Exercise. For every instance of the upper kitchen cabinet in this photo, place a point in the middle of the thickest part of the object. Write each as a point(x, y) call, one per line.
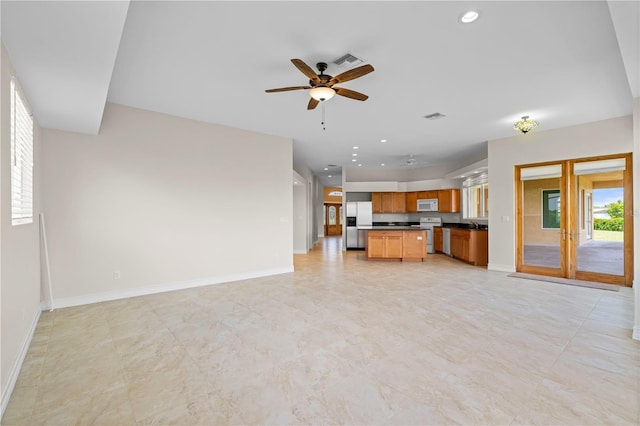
point(399, 202)
point(388, 202)
point(449, 200)
point(427, 195)
point(411, 200)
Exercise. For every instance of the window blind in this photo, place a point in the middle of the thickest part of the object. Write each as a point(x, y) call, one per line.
point(21, 159)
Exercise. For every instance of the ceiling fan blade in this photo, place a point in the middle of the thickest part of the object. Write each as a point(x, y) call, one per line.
point(350, 94)
point(285, 89)
point(312, 103)
point(305, 69)
point(351, 74)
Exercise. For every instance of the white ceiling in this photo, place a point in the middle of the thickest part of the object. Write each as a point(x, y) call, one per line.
point(558, 62)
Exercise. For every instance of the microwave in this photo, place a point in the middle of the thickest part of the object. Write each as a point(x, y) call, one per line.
point(428, 205)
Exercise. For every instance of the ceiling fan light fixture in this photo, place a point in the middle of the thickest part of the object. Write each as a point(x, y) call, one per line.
point(322, 93)
point(525, 125)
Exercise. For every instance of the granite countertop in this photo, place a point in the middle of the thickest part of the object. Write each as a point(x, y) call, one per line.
point(468, 226)
point(391, 228)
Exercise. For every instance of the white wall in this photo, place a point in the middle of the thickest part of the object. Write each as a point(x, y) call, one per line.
point(611, 136)
point(19, 252)
point(166, 203)
point(301, 222)
point(315, 202)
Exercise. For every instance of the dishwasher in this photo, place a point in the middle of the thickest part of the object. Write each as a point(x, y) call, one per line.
point(446, 241)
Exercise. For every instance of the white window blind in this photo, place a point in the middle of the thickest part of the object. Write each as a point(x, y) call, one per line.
point(21, 159)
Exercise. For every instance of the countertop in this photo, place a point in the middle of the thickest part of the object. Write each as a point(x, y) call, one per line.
point(404, 226)
point(391, 228)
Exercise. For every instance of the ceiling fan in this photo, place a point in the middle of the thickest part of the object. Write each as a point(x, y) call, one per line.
point(322, 85)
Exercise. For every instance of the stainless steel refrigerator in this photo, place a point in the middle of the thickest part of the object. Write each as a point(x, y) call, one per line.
point(359, 215)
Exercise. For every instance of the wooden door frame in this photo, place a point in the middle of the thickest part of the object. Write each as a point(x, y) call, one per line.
point(338, 218)
point(570, 223)
point(627, 184)
point(520, 265)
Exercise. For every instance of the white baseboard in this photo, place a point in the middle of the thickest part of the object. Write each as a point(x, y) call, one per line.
point(300, 251)
point(17, 366)
point(501, 268)
point(636, 333)
point(161, 288)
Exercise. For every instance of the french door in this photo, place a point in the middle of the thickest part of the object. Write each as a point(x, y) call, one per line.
point(574, 219)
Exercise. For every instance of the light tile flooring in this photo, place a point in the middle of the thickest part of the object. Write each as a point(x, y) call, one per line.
point(342, 340)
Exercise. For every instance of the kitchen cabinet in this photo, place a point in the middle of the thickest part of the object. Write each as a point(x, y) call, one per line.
point(470, 246)
point(427, 195)
point(411, 201)
point(388, 202)
point(437, 239)
point(384, 244)
point(376, 202)
point(449, 200)
point(414, 245)
point(399, 202)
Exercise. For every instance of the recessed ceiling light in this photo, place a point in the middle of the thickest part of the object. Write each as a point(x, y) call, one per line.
point(354, 155)
point(326, 168)
point(469, 16)
point(354, 160)
point(382, 164)
point(329, 176)
point(462, 176)
point(359, 165)
point(355, 147)
point(383, 140)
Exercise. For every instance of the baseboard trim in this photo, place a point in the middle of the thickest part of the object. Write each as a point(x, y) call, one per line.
point(15, 372)
point(300, 251)
point(636, 333)
point(500, 268)
point(162, 288)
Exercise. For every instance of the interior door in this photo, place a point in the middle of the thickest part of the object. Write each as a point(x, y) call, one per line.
point(557, 231)
point(333, 220)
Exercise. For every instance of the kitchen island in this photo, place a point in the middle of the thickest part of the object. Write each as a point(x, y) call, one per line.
point(405, 243)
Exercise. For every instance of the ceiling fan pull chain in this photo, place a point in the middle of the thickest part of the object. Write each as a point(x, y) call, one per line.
point(323, 127)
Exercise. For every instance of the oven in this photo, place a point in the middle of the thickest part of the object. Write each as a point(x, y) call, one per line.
point(428, 223)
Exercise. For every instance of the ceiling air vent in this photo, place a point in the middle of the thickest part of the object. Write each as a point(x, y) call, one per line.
point(348, 61)
point(434, 116)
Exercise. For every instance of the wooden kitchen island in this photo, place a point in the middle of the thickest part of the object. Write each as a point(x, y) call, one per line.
point(405, 244)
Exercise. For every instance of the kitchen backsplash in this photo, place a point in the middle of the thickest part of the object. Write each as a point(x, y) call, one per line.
point(415, 217)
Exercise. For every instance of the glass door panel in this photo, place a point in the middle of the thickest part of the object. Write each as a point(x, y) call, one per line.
point(599, 239)
point(542, 223)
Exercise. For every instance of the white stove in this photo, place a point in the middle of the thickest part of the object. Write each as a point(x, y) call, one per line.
point(428, 223)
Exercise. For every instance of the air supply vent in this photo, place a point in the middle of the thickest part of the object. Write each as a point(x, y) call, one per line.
point(348, 61)
point(434, 116)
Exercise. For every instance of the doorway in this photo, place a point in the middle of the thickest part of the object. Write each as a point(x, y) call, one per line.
point(574, 219)
point(333, 219)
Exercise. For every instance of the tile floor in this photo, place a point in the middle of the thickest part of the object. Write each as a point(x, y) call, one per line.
point(342, 340)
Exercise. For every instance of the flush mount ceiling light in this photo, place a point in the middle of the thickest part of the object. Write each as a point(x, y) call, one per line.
point(469, 16)
point(322, 93)
point(525, 125)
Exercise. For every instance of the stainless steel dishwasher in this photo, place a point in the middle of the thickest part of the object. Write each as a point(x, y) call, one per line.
point(446, 241)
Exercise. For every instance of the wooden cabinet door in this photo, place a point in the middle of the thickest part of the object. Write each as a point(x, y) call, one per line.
point(425, 195)
point(376, 202)
point(414, 244)
point(387, 202)
point(449, 200)
point(411, 202)
point(478, 248)
point(375, 246)
point(399, 202)
point(393, 246)
point(437, 239)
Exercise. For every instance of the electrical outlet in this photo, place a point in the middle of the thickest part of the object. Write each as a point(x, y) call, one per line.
point(116, 275)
